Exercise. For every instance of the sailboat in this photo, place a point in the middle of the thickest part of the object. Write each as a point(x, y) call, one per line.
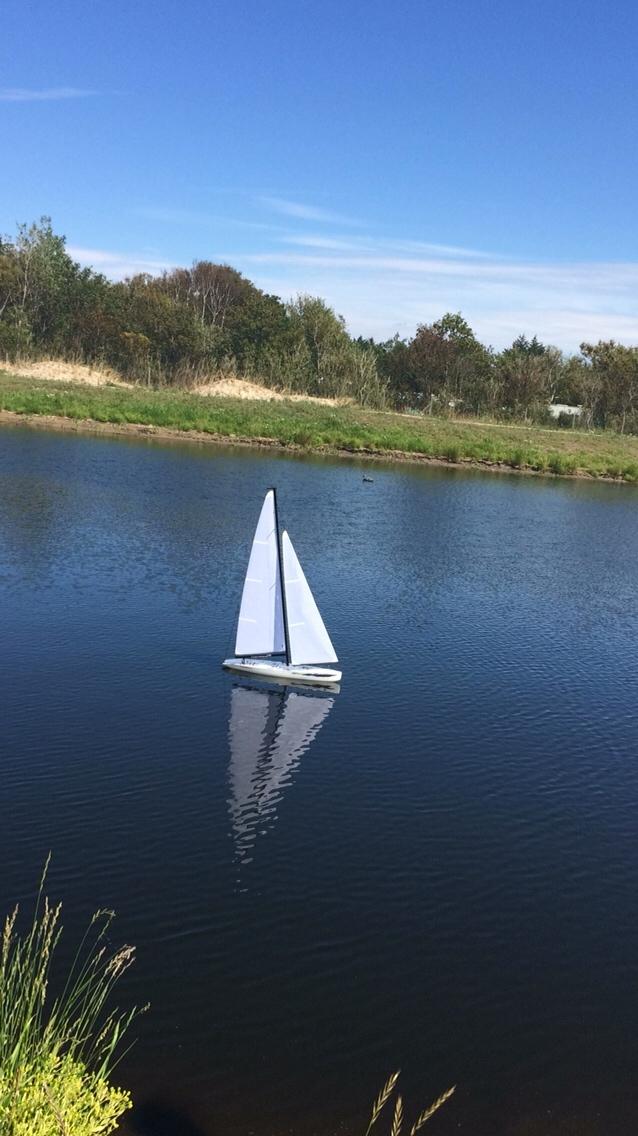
point(280, 633)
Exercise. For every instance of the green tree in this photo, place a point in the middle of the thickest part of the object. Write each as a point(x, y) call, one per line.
point(46, 275)
point(152, 337)
point(322, 358)
point(15, 329)
point(530, 375)
point(447, 366)
point(613, 391)
point(524, 346)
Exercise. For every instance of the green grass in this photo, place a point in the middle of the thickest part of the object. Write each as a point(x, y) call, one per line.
point(57, 1051)
point(313, 426)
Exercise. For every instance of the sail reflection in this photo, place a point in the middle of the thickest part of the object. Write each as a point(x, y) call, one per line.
point(268, 733)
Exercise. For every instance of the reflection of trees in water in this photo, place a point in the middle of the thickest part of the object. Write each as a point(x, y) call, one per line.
point(123, 512)
point(268, 733)
point(34, 519)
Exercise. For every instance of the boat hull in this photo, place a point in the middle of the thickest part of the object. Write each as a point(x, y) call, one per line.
point(270, 668)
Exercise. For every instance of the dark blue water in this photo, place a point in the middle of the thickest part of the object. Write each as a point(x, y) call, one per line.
point(435, 868)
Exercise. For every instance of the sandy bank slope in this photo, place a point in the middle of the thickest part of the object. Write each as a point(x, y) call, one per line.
point(57, 371)
point(245, 388)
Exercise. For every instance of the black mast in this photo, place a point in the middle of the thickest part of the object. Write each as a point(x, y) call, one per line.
point(284, 607)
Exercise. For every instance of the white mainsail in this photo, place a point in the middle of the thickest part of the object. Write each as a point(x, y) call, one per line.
point(260, 629)
point(308, 639)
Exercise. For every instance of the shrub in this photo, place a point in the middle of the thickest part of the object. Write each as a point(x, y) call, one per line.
point(60, 1096)
point(556, 463)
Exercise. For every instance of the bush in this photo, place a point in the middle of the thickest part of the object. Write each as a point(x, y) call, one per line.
point(59, 1096)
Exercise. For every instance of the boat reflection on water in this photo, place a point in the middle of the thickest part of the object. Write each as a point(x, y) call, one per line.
point(269, 731)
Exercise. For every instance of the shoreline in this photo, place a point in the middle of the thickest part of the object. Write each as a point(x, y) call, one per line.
point(199, 437)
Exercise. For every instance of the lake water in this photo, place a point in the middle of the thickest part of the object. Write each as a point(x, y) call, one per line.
point(435, 868)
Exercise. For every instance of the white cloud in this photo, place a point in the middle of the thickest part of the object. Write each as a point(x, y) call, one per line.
point(117, 265)
point(380, 293)
point(370, 246)
point(47, 94)
point(334, 244)
point(199, 217)
point(305, 212)
point(176, 216)
point(439, 250)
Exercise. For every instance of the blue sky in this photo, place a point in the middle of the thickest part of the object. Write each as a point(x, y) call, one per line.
point(399, 159)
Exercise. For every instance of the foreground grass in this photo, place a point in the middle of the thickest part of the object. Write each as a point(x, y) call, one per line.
point(315, 427)
point(387, 1093)
point(57, 1053)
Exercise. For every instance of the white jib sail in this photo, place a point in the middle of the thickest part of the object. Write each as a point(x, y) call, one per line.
point(260, 629)
point(309, 640)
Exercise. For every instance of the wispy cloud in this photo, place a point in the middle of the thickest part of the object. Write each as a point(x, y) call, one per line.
point(46, 94)
point(496, 271)
point(380, 246)
point(333, 244)
point(117, 265)
point(200, 218)
point(176, 216)
point(380, 292)
point(302, 212)
point(440, 250)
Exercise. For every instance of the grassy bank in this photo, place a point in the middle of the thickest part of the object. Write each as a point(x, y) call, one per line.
point(343, 428)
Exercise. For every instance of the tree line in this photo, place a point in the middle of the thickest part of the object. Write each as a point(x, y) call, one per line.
point(181, 326)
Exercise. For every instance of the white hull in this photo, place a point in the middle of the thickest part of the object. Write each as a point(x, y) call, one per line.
point(270, 668)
